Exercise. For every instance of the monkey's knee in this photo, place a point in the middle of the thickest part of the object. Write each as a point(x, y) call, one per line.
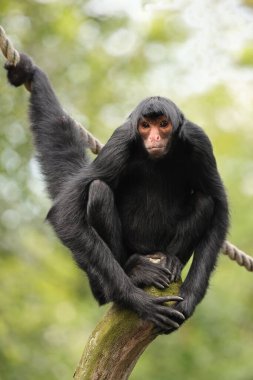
point(100, 202)
point(100, 196)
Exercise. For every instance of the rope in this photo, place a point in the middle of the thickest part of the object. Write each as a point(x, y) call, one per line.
point(12, 56)
point(94, 145)
point(237, 255)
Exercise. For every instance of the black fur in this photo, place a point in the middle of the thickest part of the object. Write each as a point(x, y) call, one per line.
point(124, 205)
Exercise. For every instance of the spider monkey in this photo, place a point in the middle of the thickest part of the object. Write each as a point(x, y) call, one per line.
point(154, 187)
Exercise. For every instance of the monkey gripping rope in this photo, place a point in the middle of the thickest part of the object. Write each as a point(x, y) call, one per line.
point(12, 56)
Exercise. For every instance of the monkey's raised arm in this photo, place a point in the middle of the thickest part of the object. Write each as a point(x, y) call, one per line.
point(59, 144)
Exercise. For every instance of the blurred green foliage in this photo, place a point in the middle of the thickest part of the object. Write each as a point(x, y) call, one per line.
point(101, 64)
point(246, 57)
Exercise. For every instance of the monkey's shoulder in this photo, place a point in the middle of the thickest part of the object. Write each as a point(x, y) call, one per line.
point(195, 141)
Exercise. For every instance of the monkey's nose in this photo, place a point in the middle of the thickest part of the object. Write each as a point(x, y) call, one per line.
point(154, 138)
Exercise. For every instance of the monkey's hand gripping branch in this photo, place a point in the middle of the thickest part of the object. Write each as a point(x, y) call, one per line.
point(119, 340)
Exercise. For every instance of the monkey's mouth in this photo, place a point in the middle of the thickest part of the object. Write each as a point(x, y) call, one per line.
point(156, 148)
point(157, 151)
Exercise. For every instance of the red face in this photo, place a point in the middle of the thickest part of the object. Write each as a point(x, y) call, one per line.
point(156, 135)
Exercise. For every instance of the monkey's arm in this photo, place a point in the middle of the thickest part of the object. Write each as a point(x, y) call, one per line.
point(207, 181)
point(59, 144)
point(191, 226)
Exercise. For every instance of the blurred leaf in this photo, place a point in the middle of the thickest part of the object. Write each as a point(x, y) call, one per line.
point(246, 58)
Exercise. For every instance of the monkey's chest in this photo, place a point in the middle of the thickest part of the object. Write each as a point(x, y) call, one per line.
point(149, 211)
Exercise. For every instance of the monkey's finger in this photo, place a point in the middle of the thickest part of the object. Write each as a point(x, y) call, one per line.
point(167, 299)
point(164, 331)
point(169, 330)
point(158, 269)
point(162, 280)
point(152, 278)
point(163, 326)
point(159, 285)
point(177, 276)
point(168, 311)
point(167, 322)
point(175, 272)
point(166, 271)
point(164, 283)
point(163, 277)
point(162, 271)
point(160, 328)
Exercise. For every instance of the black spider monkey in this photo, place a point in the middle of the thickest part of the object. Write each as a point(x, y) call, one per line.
point(154, 187)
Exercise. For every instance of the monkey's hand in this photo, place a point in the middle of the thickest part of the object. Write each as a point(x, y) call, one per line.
point(143, 272)
point(153, 309)
point(186, 307)
point(174, 265)
point(22, 73)
point(151, 270)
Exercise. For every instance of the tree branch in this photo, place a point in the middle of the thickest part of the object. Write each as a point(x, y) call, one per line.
point(118, 341)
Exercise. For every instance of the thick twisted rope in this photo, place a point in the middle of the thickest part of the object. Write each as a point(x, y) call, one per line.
point(237, 255)
point(12, 56)
point(94, 145)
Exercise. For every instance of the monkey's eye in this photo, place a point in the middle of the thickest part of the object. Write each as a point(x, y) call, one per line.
point(164, 123)
point(144, 124)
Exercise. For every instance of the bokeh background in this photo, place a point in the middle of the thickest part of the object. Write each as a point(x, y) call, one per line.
point(103, 57)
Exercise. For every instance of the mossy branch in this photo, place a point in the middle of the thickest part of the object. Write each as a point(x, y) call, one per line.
point(118, 341)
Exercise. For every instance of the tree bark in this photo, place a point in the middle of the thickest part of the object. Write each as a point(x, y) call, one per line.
point(118, 341)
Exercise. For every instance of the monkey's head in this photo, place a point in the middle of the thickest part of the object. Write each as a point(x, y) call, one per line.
point(156, 134)
point(155, 120)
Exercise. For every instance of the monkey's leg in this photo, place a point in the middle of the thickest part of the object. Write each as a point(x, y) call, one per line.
point(103, 217)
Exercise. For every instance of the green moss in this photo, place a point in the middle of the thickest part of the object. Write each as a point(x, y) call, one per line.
point(173, 289)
